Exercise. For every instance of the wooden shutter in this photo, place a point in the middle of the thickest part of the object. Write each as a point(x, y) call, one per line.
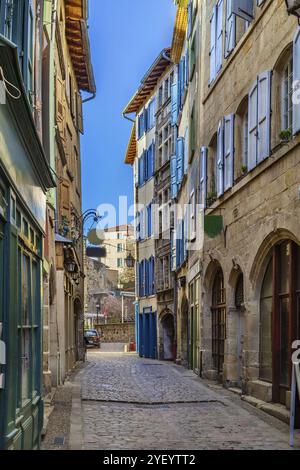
point(296, 79)
point(180, 159)
point(203, 176)
point(186, 151)
point(79, 113)
point(230, 33)
point(28, 65)
point(174, 102)
point(173, 165)
point(212, 52)
point(220, 159)
point(190, 18)
point(264, 116)
point(228, 151)
point(243, 9)
point(65, 199)
point(252, 123)
point(219, 37)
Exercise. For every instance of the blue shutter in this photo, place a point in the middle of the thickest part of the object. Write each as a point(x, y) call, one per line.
point(243, 9)
point(264, 116)
point(187, 68)
point(178, 234)
point(150, 276)
point(180, 159)
point(146, 277)
point(296, 78)
point(150, 161)
point(190, 18)
point(212, 51)
point(228, 151)
point(252, 125)
point(173, 165)
point(174, 103)
point(203, 176)
point(220, 159)
point(149, 220)
point(219, 37)
point(140, 280)
point(186, 151)
point(145, 120)
point(230, 33)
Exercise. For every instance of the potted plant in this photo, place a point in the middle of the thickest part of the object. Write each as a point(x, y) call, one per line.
point(211, 198)
point(285, 135)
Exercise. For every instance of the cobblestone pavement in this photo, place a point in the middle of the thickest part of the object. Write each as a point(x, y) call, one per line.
point(133, 403)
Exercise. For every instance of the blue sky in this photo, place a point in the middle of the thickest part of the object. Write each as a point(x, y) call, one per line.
point(126, 36)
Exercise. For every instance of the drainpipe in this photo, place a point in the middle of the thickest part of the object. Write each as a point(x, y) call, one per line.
point(166, 57)
point(128, 118)
point(89, 99)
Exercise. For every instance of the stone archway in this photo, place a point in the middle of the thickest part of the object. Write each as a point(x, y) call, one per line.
point(184, 327)
point(167, 336)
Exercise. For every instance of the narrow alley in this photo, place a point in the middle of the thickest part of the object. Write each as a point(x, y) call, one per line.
point(121, 401)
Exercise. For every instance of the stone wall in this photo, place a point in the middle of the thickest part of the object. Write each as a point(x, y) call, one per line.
point(117, 332)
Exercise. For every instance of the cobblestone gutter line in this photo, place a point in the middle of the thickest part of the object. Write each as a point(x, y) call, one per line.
point(152, 403)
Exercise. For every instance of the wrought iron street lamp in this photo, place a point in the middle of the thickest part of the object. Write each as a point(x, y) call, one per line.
point(129, 261)
point(70, 265)
point(293, 8)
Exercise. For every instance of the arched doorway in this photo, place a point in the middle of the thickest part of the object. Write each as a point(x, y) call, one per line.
point(279, 317)
point(185, 332)
point(167, 325)
point(240, 326)
point(77, 339)
point(218, 311)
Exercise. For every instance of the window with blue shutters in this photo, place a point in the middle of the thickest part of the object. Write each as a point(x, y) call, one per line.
point(225, 154)
point(149, 220)
point(174, 102)
point(190, 19)
point(174, 185)
point(203, 177)
point(259, 115)
point(216, 40)
point(146, 277)
point(173, 250)
point(230, 29)
point(17, 24)
point(180, 159)
point(186, 151)
point(151, 114)
point(228, 151)
point(220, 159)
point(141, 124)
point(296, 78)
point(243, 9)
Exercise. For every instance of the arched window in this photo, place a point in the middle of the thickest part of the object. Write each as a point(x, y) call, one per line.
point(280, 316)
point(218, 321)
point(266, 300)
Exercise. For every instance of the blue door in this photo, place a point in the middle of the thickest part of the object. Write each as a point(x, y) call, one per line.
point(137, 327)
point(146, 334)
point(153, 336)
point(141, 335)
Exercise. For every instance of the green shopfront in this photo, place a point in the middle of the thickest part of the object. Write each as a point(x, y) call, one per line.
point(24, 179)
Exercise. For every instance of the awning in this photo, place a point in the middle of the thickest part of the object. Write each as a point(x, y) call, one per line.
point(60, 239)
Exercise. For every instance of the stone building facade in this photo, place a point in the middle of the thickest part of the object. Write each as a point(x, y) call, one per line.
point(73, 75)
point(235, 251)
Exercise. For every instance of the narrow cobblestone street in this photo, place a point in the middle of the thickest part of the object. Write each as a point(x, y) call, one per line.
point(121, 401)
